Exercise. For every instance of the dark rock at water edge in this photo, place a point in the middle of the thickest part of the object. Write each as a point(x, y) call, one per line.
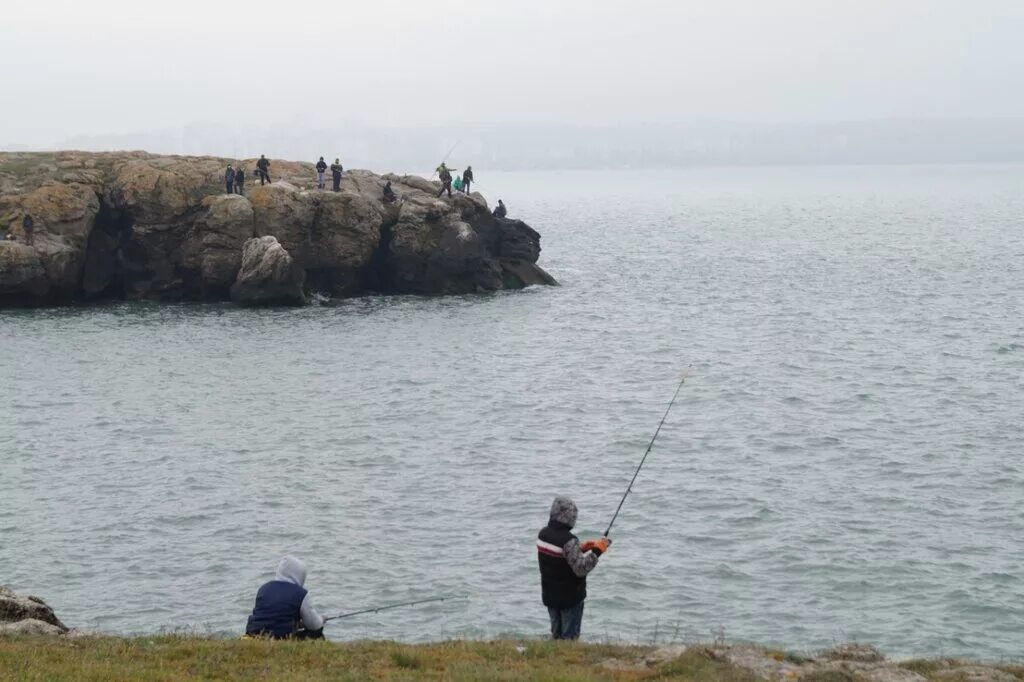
point(25, 614)
point(141, 226)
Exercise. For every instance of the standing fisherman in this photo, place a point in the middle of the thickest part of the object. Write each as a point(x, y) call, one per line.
point(240, 181)
point(28, 226)
point(321, 168)
point(336, 171)
point(283, 608)
point(564, 565)
point(467, 179)
point(263, 169)
point(229, 179)
point(445, 174)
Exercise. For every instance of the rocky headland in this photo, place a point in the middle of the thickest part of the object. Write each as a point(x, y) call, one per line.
point(133, 225)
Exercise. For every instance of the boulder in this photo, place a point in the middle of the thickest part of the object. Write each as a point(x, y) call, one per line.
point(30, 626)
point(268, 275)
point(16, 608)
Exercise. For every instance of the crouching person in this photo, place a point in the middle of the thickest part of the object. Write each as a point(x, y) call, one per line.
point(564, 565)
point(283, 608)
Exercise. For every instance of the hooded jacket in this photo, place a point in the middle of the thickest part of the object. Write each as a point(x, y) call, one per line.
point(563, 566)
point(321, 166)
point(229, 175)
point(283, 604)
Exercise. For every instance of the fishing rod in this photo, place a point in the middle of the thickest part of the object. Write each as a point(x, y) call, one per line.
point(629, 488)
point(445, 159)
point(389, 606)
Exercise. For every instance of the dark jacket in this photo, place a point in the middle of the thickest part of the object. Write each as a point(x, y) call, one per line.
point(500, 211)
point(336, 170)
point(229, 175)
point(263, 164)
point(239, 177)
point(321, 166)
point(467, 176)
point(27, 222)
point(276, 612)
point(563, 566)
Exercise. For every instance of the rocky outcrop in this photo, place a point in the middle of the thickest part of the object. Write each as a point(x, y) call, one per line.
point(268, 276)
point(140, 226)
point(20, 614)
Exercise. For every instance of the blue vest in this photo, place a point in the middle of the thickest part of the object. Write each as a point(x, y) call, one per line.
point(277, 610)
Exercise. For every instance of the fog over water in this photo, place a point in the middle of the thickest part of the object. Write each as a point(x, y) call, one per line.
point(844, 463)
point(100, 71)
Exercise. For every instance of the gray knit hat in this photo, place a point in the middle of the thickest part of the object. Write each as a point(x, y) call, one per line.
point(563, 510)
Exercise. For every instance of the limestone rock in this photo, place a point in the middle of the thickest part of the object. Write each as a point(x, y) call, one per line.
point(22, 277)
point(268, 275)
point(138, 225)
point(29, 626)
point(16, 608)
point(212, 249)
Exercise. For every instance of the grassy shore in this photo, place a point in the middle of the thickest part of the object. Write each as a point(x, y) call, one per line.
point(193, 658)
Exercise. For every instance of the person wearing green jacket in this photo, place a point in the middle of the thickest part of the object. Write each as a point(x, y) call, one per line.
point(457, 185)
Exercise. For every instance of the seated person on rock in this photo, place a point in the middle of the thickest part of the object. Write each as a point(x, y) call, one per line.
point(283, 608)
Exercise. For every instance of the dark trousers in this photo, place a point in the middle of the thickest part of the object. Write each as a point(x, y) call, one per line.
point(240, 188)
point(263, 175)
point(566, 623)
point(465, 185)
point(336, 181)
point(446, 186)
point(231, 188)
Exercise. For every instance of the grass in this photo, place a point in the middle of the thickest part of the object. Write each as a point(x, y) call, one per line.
point(180, 657)
point(192, 658)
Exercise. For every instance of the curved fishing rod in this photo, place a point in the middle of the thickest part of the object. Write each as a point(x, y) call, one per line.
point(390, 606)
point(445, 159)
point(629, 488)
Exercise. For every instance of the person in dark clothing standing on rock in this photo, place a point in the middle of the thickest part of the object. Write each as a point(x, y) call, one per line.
point(283, 608)
point(229, 179)
point(28, 226)
point(500, 211)
point(336, 171)
point(389, 194)
point(321, 168)
point(263, 169)
point(446, 180)
point(467, 179)
point(564, 565)
point(240, 181)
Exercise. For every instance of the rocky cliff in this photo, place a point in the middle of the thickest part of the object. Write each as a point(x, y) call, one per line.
point(141, 226)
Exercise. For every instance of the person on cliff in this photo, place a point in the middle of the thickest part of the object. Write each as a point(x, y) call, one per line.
point(336, 171)
point(240, 181)
point(28, 226)
point(321, 168)
point(263, 169)
point(446, 181)
point(283, 608)
point(467, 179)
point(229, 179)
point(500, 211)
point(564, 565)
point(389, 194)
point(457, 185)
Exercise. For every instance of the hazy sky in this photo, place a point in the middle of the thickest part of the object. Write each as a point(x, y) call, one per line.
point(70, 67)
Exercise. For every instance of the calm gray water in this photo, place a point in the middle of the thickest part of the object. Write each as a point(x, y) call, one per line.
point(844, 464)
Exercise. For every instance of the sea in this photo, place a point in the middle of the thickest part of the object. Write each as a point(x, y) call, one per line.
point(844, 461)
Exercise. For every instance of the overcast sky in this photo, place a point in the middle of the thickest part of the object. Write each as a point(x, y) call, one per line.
point(70, 67)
